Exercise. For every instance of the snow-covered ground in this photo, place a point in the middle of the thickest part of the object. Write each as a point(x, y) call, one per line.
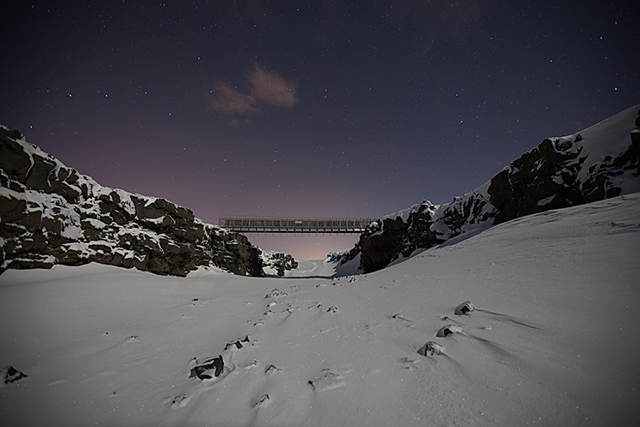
point(553, 339)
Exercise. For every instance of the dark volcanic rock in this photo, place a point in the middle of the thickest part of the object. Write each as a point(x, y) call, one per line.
point(464, 308)
point(237, 344)
point(50, 214)
point(11, 375)
point(204, 371)
point(431, 348)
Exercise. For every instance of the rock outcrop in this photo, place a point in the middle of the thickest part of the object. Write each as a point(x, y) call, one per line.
point(51, 214)
point(600, 162)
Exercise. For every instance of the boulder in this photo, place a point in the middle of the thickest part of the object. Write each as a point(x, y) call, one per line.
point(464, 308)
point(208, 369)
point(10, 375)
point(431, 348)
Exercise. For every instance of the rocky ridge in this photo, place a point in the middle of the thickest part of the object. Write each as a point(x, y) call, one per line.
point(51, 214)
point(602, 161)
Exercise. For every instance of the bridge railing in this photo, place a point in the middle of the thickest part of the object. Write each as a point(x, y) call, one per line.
point(295, 225)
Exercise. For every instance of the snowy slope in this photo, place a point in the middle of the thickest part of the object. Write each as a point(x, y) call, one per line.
point(553, 339)
point(599, 162)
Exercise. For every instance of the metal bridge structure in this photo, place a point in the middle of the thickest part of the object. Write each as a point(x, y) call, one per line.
point(295, 225)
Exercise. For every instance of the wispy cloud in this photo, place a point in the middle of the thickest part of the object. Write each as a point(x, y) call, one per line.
point(224, 98)
point(272, 89)
point(265, 88)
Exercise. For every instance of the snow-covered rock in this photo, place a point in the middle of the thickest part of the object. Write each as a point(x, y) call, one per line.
point(600, 162)
point(51, 214)
point(278, 262)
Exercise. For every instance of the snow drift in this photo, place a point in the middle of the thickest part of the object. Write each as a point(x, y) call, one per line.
point(546, 334)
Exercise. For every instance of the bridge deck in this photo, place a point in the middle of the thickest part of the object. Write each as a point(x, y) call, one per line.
point(294, 225)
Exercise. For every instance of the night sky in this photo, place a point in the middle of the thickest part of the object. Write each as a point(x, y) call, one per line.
point(309, 108)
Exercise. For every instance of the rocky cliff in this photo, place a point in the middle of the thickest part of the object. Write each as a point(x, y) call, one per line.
point(50, 214)
point(599, 162)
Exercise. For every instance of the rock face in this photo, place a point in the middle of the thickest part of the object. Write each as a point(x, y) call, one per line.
point(50, 214)
point(600, 162)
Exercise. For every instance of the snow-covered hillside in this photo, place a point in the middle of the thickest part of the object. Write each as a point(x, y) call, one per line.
point(596, 163)
point(552, 338)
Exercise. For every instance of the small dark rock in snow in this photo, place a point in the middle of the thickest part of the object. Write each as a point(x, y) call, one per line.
point(464, 308)
point(332, 309)
point(431, 348)
point(201, 371)
point(237, 343)
point(445, 331)
point(11, 375)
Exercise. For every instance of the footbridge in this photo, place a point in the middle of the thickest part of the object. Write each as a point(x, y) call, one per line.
point(295, 225)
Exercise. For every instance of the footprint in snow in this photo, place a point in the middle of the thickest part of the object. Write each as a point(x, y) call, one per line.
point(179, 401)
point(263, 402)
point(500, 316)
point(272, 370)
point(409, 363)
point(398, 316)
point(327, 381)
point(252, 365)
